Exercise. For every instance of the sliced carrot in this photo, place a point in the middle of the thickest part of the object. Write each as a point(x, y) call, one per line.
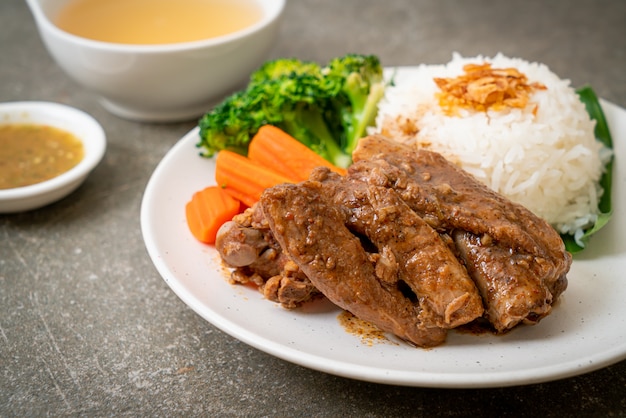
point(274, 157)
point(272, 147)
point(246, 177)
point(243, 198)
point(207, 210)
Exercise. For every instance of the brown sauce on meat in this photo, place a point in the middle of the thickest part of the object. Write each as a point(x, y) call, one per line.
point(30, 154)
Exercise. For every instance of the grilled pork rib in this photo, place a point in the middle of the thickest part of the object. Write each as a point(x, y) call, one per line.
point(452, 198)
point(315, 236)
point(510, 283)
point(248, 246)
point(517, 260)
point(412, 253)
point(406, 240)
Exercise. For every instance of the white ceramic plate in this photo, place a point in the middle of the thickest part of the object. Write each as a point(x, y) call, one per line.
point(585, 332)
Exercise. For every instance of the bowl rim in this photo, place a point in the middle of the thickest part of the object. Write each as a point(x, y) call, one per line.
point(275, 12)
point(52, 114)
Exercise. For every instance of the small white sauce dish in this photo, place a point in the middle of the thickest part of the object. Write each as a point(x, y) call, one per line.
point(63, 117)
point(160, 83)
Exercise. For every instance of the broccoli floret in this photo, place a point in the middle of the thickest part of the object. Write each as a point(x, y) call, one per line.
point(282, 67)
point(328, 109)
point(362, 88)
point(232, 124)
point(304, 101)
point(296, 103)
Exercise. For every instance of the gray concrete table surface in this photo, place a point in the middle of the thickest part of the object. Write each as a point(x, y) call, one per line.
point(87, 325)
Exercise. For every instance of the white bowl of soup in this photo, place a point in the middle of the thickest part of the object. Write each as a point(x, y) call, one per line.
point(46, 151)
point(158, 60)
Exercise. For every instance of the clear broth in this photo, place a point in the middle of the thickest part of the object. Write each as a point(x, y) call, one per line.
point(149, 22)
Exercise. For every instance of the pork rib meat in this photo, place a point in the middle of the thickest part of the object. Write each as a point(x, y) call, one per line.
point(517, 260)
point(315, 236)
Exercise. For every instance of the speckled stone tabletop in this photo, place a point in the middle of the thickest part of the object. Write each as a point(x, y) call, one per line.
point(89, 328)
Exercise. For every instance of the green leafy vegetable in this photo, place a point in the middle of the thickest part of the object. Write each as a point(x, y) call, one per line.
point(326, 108)
point(602, 133)
point(360, 81)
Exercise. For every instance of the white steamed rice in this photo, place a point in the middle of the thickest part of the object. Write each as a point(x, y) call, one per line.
point(549, 161)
